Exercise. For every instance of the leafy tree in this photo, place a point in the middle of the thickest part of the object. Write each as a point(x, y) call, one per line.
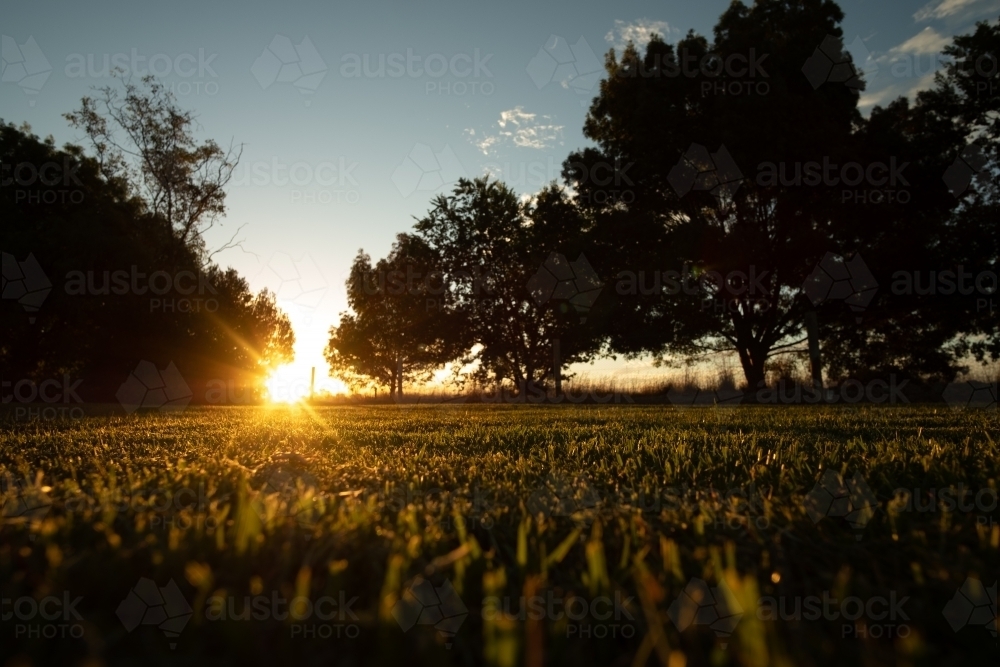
point(490, 246)
point(244, 336)
point(917, 326)
point(728, 177)
point(399, 330)
point(700, 203)
point(97, 247)
point(145, 142)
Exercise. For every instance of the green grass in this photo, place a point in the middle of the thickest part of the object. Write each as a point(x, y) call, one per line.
point(558, 502)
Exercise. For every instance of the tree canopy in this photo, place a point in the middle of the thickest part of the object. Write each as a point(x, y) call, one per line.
point(101, 274)
point(736, 200)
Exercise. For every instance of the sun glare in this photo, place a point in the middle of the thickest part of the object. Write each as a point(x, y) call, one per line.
point(290, 384)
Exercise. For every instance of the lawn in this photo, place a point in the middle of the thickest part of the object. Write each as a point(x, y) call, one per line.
point(477, 534)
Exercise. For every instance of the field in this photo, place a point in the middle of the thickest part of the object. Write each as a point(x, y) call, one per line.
point(503, 535)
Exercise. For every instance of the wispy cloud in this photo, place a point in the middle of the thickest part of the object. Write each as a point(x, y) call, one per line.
point(926, 41)
point(637, 32)
point(520, 128)
point(946, 9)
point(905, 88)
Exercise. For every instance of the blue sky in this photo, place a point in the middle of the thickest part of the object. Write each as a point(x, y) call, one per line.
point(340, 154)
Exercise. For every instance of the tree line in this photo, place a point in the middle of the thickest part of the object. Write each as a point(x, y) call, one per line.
point(106, 267)
point(705, 221)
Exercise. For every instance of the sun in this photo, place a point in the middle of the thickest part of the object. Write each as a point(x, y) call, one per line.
point(287, 384)
point(290, 383)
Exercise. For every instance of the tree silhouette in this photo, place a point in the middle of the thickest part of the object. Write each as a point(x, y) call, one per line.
point(739, 245)
point(399, 329)
point(491, 246)
point(158, 160)
point(98, 247)
point(916, 326)
point(743, 181)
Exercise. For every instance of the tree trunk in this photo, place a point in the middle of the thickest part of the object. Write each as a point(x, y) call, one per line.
point(399, 375)
point(752, 360)
point(557, 366)
point(816, 369)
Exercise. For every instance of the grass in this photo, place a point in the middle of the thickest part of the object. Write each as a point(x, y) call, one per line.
point(573, 508)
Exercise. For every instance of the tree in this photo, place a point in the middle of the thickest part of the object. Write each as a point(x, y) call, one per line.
point(491, 246)
point(400, 328)
point(88, 250)
point(916, 325)
point(709, 254)
point(244, 337)
point(158, 161)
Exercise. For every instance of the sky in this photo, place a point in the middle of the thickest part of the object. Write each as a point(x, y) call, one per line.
point(353, 116)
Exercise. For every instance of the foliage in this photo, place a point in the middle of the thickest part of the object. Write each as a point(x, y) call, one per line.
point(492, 245)
point(158, 161)
point(400, 328)
point(123, 286)
point(748, 211)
